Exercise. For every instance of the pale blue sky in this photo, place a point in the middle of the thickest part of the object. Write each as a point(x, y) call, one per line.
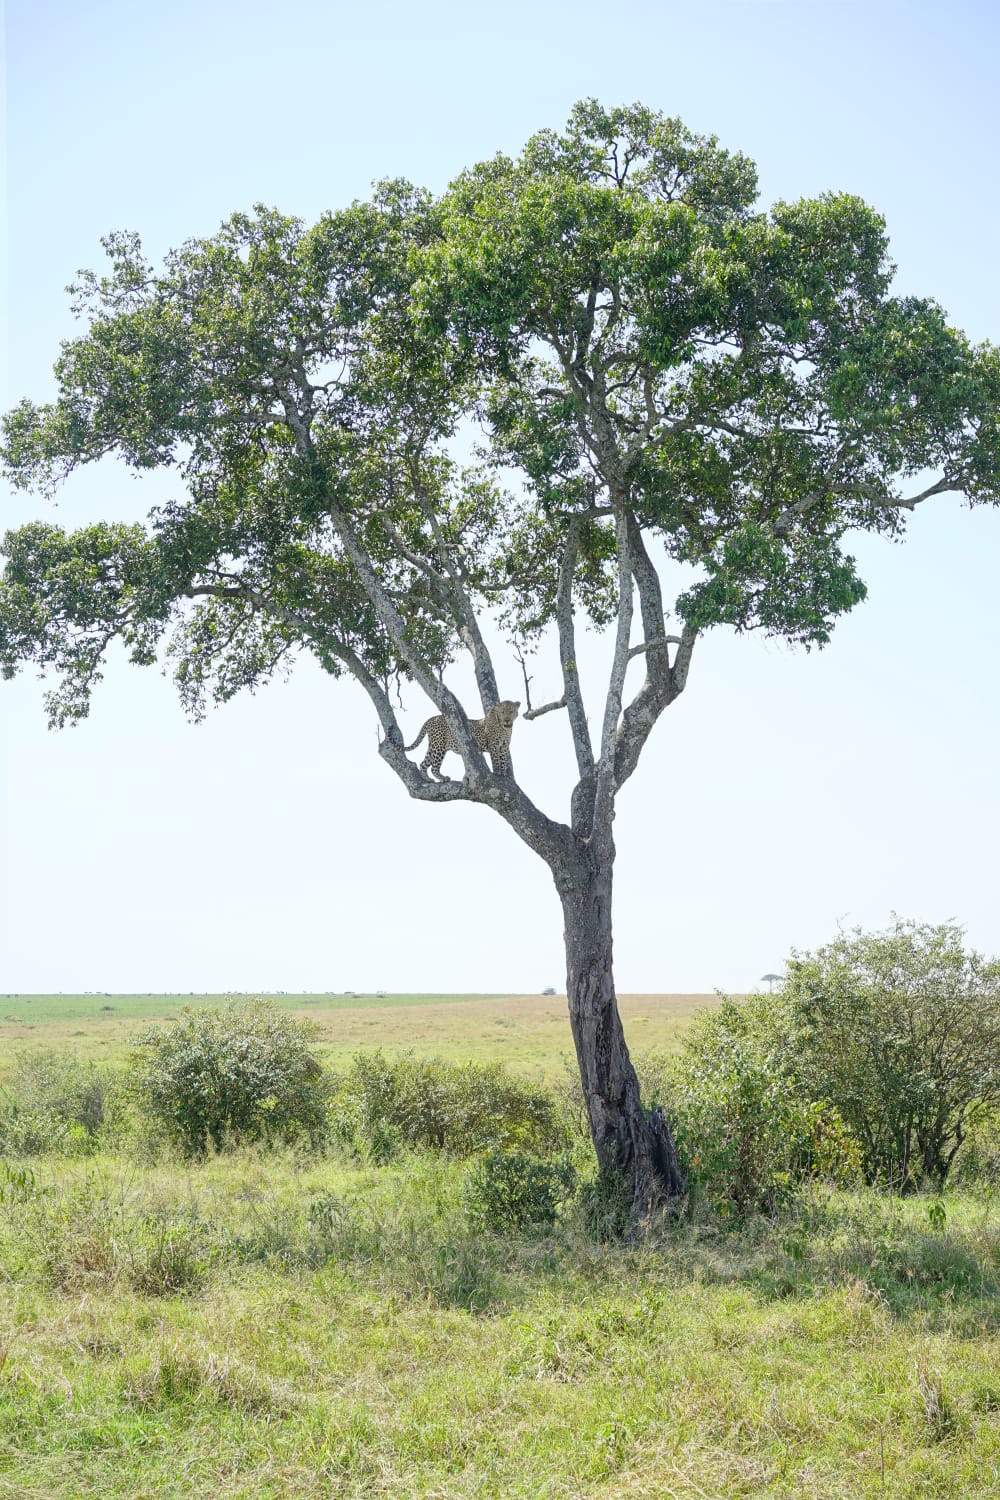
point(269, 848)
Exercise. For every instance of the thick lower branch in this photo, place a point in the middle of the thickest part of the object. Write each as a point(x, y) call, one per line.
point(547, 708)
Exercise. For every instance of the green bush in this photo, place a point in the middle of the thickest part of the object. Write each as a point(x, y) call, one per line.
point(745, 1134)
point(246, 1073)
point(36, 1132)
point(604, 1200)
point(464, 1109)
point(978, 1162)
point(59, 1084)
point(901, 1031)
point(507, 1191)
point(52, 1102)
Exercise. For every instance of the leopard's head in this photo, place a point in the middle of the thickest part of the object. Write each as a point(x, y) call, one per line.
point(506, 712)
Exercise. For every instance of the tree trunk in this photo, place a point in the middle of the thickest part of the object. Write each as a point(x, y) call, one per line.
point(626, 1137)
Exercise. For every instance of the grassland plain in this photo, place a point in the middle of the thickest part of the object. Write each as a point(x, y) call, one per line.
point(285, 1325)
point(529, 1033)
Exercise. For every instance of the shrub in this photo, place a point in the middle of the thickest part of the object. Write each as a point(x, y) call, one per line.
point(978, 1162)
point(35, 1132)
point(901, 1031)
point(605, 1203)
point(246, 1073)
point(745, 1134)
point(463, 1109)
point(507, 1191)
point(61, 1085)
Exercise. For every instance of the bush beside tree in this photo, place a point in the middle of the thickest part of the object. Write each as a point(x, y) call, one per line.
point(462, 1108)
point(901, 1031)
point(746, 1134)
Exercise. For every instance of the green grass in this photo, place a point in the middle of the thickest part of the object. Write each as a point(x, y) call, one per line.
point(284, 1325)
point(336, 1329)
point(528, 1033)
point(35, 1010)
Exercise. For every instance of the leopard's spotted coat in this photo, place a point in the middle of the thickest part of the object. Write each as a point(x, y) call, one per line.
point(492, 734)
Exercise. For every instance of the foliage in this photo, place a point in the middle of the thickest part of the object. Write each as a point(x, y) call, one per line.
point(80, 1093)
point(37, 1131)
point(901, 1031)
point(623, 315)
point(744, 1132)
point(53, 1102)
point(617, 307)
point(246, 1073)
point(507, 1191)
point(382, 1103)
point(977, 1164)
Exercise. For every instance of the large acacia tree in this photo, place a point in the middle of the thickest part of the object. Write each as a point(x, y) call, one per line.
point(672, 384)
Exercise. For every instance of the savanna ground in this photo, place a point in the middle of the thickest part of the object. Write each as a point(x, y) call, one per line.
point(283, 1324)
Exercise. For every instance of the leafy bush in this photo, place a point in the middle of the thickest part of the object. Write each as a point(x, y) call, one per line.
point(383, 1103)
point(35, 1132)
point(61, 1085)
point(242, 1074)
point(55, 1103)
point(744, 1133)
point(978, 1162)
point(901, 1031)
point(605, 1204)
point(507, 1191)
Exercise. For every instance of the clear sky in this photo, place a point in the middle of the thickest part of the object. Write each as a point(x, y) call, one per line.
point(269, 848)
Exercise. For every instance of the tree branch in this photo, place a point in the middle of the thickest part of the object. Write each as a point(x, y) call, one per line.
point(782, 525)
point(461, 605)
point(604, 790)
point(547, 708)
point(682, 661)
point(667, 640)
point(663, 683)
point(572, 692)
point(393, 623)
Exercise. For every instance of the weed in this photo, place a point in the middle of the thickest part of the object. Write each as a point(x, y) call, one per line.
point(938, 1412)
point(507, 1191)
point(19, 1185)
point(175, 1375)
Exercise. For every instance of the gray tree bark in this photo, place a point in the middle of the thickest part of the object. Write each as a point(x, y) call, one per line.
point(627, 1138)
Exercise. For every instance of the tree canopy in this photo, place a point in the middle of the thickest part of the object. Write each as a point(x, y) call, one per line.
point(616, 311)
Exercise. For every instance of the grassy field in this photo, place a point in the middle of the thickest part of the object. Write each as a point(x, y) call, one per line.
point(529, 1033)
point(285, 1325)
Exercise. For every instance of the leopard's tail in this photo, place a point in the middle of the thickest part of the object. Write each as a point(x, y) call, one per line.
point(419, 737)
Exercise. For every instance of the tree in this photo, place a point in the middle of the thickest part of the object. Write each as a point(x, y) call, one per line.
point(901, 1031)
point(675, 388)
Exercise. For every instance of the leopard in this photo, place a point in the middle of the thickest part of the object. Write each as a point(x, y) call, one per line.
point(492, 733)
